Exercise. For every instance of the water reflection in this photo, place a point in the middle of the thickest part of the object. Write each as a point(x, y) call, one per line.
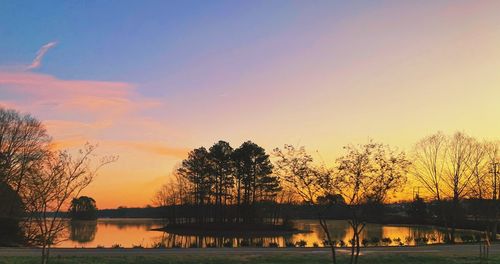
point(138, 232)
point(83, 231)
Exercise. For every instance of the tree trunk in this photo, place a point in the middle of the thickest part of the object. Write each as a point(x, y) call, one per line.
point(324, 226)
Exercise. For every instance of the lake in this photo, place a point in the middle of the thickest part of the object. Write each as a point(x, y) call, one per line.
point(137, 232)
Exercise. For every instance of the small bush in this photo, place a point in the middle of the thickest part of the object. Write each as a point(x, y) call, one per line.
point(375, 240)
point(386, 241)
point(116, 246)
point(99, 246)
point(159, 245)
point(408, 240)
point(228, 244)
point(365, 242)
point(301, 243)
point(326, 243)
point(289, 244)
point(137, 246)
point(315, 244)
point(273, 245)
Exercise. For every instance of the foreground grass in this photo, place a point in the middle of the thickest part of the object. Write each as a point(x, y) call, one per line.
point(254, 259)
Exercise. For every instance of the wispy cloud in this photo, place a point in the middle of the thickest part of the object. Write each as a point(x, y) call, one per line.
point(37, 62)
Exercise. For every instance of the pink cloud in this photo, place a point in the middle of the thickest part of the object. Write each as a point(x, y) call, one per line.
point(77, 111)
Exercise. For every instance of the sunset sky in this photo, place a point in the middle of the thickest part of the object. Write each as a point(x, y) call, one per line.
point(149, 80)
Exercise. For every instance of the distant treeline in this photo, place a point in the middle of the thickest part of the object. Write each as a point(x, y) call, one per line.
point(411, 212)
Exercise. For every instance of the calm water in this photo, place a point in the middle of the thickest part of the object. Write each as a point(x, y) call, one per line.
point(137, 232)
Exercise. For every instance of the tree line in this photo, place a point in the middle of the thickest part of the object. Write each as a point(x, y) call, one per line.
point(448, 168)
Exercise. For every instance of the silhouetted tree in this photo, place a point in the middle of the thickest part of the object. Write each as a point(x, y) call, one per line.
point(222, 168)
point(253, 174)
point(451, 168)
point(310, 182)
point(196, 169)
point(417, 210)
point(368, 173)
point(24, 142)
point(11, 212)
point(49, 188)
point(83, 208)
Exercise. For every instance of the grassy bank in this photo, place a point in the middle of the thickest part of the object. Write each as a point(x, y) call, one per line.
point(253, 259)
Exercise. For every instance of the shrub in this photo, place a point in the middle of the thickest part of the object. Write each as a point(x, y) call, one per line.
point(326, 243)
point(289, 244)
point(273, 245)
point(386, 241)
point(159, 245)
point(375, 240)
point(116, 246)
point(228, 244)
point(408, 240)
point(315, 244)
point(301, 243)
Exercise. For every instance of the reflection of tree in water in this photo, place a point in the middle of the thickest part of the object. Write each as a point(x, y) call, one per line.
point(83, 231)
point(181, 241)
point(132, 223)
point(372, 231)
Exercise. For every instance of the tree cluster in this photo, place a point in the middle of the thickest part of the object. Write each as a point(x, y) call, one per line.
point(230, 182)
point(452, 168)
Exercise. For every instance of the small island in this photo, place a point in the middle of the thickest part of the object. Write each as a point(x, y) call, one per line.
point(231, 193)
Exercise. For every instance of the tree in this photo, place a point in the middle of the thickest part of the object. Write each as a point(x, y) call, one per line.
point(428, 163)
point(367, 174)
point(417, 210)
point(295, 167)
point(48, 190)
point(450, 168)
point(83, 208)
point(24, 142)
point(11, 212)
point(253, 171)
point(221, 167)
point(493, 183)
point(197, 171)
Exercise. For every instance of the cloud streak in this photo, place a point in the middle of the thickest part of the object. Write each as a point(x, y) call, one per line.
point(37, 62)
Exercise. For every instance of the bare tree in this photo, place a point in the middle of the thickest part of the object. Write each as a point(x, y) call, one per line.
point(492, 184)
point(451, 168)
point(428, 163)
point(368, 173)
point(49, 189)
point(296, 168)
point(458, 176)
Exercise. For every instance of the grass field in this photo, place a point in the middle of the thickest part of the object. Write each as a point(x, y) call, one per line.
point(273, 259)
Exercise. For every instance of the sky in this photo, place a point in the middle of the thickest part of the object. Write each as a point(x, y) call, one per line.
point(150, 80)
